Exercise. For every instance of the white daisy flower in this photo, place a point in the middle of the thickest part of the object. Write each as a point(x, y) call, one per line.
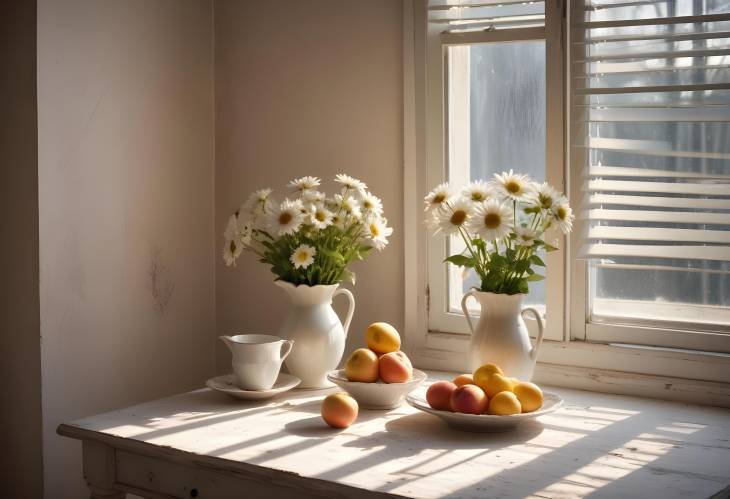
point(303, 256)
point(525, 236)
point(338, 220)
point(237, 230)
point(287, 217)
point(563, 215)
point(304, 184)
point(231, 251)
point(455, 217)
point(257, 203)
point(378, 233)
point(491, 220)
point(319, 216)
point(512, 185)
point(544, 196)
point(371, 204)
point(349, 205)
point(432, 222)
point(311, 196)
point(438, 196)
point(477, 191)
point(351, 183)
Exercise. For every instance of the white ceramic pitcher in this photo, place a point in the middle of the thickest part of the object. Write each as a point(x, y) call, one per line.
point(317, 331)
point(500, 337)
point(257, 359)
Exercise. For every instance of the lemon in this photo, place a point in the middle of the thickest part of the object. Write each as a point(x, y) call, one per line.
point(482, 374)
point(504, 404)
point(529, 395)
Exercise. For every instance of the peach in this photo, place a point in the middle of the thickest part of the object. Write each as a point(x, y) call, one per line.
point(469, 399)
point(362, 366)
point(382, 338)
point(395, 367)
point(438, 395)
point(463, 379)
point(339, 410)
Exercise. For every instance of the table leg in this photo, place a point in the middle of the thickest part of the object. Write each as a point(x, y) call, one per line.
point(100, 470)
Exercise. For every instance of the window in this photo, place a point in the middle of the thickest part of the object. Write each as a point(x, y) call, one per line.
point(489, 79)
point(627, 106)
point(651, 136)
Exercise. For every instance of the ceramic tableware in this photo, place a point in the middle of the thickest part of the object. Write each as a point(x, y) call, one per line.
point(377, 395)
point(227, 384)
point(484, 422)
point(257, 359)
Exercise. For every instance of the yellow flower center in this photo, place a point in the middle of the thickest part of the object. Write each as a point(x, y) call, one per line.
point(439, 198)
point(478, 196)
point(302, 256)
point(513, 187)
point(285, 218)
point(545, 201)
point(368, 205)
point(319, 216)
point(458, 217)
point(233, 246)
point(374, 230)
point(562, 213)
point(492, 220)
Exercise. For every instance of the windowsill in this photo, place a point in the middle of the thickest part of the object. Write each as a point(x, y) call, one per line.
point(671, 374)
point(611, 445)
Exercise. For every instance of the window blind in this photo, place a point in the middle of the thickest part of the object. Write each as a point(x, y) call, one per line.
point(650, 97)
point(459, 16)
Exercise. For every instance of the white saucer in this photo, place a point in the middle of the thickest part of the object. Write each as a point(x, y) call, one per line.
point(484, 422)
point(227, 385)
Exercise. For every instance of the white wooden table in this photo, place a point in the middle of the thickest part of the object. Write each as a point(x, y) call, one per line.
point(203, 444)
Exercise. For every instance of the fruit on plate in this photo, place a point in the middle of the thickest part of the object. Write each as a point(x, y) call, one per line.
point(382, 338)
point(362, 366)
point(395, 367)
point(339, 410)
point(496, 383)
point(438, 395)
point(504, 404)
point(463, 379)
point(482, 374)
point(469, 399)
point(529, 395)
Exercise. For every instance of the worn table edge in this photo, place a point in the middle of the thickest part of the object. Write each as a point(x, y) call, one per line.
point(222, 465)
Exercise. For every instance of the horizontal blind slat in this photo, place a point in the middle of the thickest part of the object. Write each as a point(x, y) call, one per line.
point(478, 4)
point(649, 148)
point(659, 234)
point(652, 89)
point(664, 55)
point(659, 21)
point(659, 202)
point(702, 35)
point(718, 253)
point(667, 114)
point(715, 189)
point(637, 171)
point(689, 217)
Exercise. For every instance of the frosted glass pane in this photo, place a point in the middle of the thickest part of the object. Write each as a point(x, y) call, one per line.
point(506, 121)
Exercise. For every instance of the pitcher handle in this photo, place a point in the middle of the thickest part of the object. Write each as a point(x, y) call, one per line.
point(540, 330)
point(286, 347)
point(350, 308)
point(465, 310)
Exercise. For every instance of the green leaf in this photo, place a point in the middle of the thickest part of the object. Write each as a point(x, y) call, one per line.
point(496, 262)
point(535, 277)
point(550, 247)
point(537, 260)
point(460, 260)
point(522, 286)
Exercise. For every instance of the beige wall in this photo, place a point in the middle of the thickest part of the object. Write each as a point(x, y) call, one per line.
point(307, 88)
point(20, 370)
point(126, 184)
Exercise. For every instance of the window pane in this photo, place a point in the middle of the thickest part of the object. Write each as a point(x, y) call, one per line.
point(496, 109)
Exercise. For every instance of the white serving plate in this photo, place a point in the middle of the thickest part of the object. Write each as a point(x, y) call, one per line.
point(227, 384)
point(377, 395)
point(485, 422)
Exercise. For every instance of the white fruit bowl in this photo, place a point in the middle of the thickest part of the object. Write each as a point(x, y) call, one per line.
point(485, 422)
point(377, 395)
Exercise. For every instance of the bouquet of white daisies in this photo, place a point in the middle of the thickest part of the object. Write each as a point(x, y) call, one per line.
point(502, 224)
point(309, 238)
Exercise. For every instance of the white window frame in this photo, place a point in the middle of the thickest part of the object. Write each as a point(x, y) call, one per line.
point(566, 359)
